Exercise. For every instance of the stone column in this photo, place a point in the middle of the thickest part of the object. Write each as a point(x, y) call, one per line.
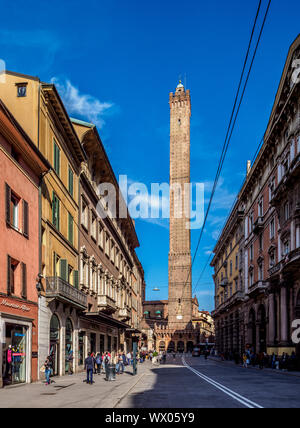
point(257, 337)
point(271, 336)
point(283, 315)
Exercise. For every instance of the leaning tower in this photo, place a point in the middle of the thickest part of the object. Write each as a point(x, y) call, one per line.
point(180, 276)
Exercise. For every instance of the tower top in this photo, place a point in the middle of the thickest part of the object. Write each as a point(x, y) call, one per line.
point(180, 87)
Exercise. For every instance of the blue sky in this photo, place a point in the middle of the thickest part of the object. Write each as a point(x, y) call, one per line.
point(116, 61)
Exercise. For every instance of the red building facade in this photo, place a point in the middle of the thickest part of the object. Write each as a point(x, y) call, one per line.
point(21, 169)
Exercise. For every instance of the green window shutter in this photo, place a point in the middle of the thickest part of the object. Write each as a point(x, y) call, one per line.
point(64, 270)
point(56, 157)
point(71, 182)
point(7, 203)
point(25, 220)
point(55, 211)
point(71, 229)
point(9, 285)
point(76, 279)
point(24, 281)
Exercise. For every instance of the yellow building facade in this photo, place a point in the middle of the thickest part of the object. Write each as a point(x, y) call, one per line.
point(39, 110)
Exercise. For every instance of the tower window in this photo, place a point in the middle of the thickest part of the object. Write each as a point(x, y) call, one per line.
point(179, 121)
point(21, 90)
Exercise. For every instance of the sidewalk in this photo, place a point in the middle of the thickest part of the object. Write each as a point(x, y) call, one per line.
point(232, 364)
point(72, 391)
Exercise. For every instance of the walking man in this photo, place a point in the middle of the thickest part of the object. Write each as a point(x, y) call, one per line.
point(89, 366)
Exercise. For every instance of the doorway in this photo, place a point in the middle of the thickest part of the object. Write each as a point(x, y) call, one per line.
point(54, 352)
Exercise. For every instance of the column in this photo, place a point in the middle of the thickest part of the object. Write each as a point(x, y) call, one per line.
point(271, 337)
point(257, 326)
point(283, 315)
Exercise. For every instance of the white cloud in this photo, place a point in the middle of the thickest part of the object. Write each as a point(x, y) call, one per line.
point(86, 106)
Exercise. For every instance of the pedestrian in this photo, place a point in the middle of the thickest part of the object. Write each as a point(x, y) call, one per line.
point(89, 366)
point(98, 363)
point(245, 361)
point(121, 364)
point(48, 366)
point(70, 361)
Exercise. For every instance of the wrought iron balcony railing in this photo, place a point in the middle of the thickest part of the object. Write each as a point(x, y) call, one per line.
point(57, 288)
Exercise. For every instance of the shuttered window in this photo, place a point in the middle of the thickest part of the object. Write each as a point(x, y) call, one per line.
point(76, 279)
point(71, 182)
point(71, 229)
point(56, 158)
point(25, 220)
point(7, 203)
point(55, 211)
point(24, 281)
point(11, 266)
point(64, 269)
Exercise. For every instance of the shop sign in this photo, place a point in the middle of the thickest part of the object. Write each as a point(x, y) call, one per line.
point(23, 308)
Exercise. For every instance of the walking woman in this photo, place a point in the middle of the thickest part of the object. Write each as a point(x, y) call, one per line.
point(48, 366)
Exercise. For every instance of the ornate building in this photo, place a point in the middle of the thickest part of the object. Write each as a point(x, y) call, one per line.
point(261, 312)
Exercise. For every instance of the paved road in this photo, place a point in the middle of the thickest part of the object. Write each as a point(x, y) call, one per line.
point(196, 383)
point(181, 383)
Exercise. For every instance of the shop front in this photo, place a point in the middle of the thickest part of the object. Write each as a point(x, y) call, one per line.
point(55, 345)
point(18, 344)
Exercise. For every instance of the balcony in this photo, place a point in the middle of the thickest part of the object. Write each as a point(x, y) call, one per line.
point(275, 269)
point(258, 225)
point(58, 289)
point(258, 287)
point(124, 314)
point(291, 263)
point(106, 304)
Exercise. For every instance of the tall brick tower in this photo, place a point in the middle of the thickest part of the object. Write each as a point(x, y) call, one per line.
point(180, 278)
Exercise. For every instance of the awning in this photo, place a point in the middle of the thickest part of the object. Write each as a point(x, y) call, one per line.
point(103, 318)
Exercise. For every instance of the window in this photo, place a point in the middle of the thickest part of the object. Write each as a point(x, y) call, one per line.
point(271, 189)
point(21, 90)
point(71, 229)
point(261, 208)
point(14, 211)
point(251, 252)
point(272, 259)
point(94, 227)
point(260, 272)
point(261, 242)
point(230, 268)
point(56, 158)
point(251, 278)
point(71, 182)
point(286, 247)
point(251, 222)
point(84, 214)
point(101, 236)
point(272, 229)
point(286, 211)
point(236, 261)
point(286, 164)
point(11, 269)
point(55, 211)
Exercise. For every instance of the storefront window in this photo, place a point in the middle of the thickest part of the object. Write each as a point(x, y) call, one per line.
point(69, 347)
point(81, 348)
point(54, 344)
point(14, 355)
point(102, 338)
point(93, 343)
point(109, 343)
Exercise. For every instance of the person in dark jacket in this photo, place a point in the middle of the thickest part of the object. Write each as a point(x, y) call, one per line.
point(89, 364)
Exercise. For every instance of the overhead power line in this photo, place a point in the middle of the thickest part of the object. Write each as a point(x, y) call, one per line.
point(235, 115)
